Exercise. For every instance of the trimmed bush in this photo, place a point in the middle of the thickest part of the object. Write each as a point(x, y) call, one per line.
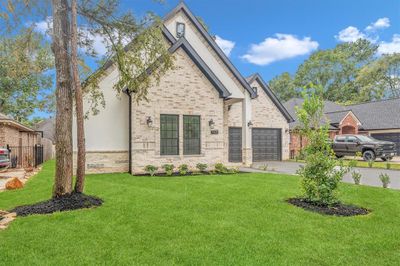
point(202, 167)
point(221, 168)
point(370, 163)
point(356, 177)
point(169, 169)
point(151, 169)
point(183, 169)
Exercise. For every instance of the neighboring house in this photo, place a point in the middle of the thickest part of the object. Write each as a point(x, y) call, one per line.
point(202, 111)
point(48, 127)
point(13, 133)
point(379, 119)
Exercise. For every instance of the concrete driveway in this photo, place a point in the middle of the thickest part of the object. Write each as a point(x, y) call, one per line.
point(370, 176)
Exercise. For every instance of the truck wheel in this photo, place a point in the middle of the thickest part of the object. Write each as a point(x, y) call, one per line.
point(369, 156)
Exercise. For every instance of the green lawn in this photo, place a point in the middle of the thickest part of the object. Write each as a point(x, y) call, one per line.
point(226, 220)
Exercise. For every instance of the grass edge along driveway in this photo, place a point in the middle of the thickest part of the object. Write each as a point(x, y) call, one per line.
point(231, 219)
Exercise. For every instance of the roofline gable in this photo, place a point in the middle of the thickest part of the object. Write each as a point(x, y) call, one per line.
point(182, 6)
point(183, 43)
point(353, 115)
point(271, 95)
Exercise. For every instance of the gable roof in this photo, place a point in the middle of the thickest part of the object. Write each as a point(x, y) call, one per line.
point(372, 115)
point(182, 7)
point(183, 43)
point(5, 119)
point(376, 115)
point(271, 95)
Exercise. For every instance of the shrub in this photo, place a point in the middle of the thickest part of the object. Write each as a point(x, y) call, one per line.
point(320, 175)
point(183, 169)
point(385, 180)
point(264, 167)
point(220, 168)
point(388, 165)
point(353, 163)
point(151, 169)
point(358, 154)
point(370, 163)
point(356, 177)
point(169, 169)
point(202, 167)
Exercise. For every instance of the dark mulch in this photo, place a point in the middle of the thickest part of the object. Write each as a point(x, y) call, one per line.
point(65, 203)
point(337, 209)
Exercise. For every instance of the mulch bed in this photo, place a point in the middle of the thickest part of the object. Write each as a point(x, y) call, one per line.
point(337, 209)
point(73, 201)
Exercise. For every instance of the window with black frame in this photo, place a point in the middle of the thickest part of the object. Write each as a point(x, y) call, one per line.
point(169, 134)
point(191, 134)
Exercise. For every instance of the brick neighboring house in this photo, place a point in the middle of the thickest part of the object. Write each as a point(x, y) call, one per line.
point(379, 119)
point(202, 111)
point(13, 133)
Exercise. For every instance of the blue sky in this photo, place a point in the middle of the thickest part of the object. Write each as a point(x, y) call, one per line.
point(271, 37)
point(250, 22)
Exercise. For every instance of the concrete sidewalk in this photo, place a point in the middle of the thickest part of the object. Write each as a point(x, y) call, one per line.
point(370, 176)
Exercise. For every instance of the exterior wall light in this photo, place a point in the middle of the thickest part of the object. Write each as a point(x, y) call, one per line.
point(250, 124)
point(211, 123)
point(149, 121)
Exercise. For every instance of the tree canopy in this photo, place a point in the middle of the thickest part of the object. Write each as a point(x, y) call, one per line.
point(349, 73)
point(25, 79)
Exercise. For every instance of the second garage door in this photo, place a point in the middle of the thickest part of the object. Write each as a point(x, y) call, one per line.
point(393, 137)
point(266, 144)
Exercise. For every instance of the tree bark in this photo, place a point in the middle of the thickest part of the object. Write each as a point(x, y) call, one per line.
point(81, 158)
point(64, 161)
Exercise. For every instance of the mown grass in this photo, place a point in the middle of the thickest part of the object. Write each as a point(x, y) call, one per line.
point(238, 219)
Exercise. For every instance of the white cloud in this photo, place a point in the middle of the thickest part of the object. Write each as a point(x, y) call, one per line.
point(225, 45)
point(284, 46)
point(350, 34)
point(390, 47)
point(381, 23)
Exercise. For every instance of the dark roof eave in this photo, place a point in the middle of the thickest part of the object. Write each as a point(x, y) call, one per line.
point(213, 44)
point(272, 96)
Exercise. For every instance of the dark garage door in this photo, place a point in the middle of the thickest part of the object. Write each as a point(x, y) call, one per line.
point(235, 144)
point(393, 137)
point(266, 144)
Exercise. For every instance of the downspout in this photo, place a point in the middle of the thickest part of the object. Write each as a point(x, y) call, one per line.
point(129, 129)
point(130, 133)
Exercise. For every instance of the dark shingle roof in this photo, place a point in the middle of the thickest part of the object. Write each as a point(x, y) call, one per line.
point(372, 115)
point(378, 115)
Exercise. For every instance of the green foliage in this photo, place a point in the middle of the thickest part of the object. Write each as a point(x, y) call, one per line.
point(202, 167)
point(220, 168)
point(169, 169)
point(388, 165)
point(183, 169)
point(370, 163)
point(385, 179)
point(25, 85)
point(356, 177)
point(353, 163)
point(320, 177)
point(151, 169)
point(284, 87)
point(358, 154)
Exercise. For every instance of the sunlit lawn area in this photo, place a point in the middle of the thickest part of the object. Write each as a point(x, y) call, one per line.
point(238, 219)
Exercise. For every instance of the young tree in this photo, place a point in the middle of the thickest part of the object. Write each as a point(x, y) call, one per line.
point(320, 178)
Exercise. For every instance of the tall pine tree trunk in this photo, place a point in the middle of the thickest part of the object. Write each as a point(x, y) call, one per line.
point(64, 161)
point(80, 171)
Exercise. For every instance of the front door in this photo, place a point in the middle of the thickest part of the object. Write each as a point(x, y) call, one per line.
point(235, 144)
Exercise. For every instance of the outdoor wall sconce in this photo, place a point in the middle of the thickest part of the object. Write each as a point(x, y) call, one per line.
point(250, 124)
point(149, 121)
point(211, 123)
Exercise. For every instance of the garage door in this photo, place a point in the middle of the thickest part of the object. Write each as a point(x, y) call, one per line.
point(394, 137)
point(266, 144)
point(235, 144)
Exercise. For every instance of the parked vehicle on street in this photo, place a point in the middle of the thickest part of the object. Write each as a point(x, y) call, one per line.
point(370, 148)
point(4, 158)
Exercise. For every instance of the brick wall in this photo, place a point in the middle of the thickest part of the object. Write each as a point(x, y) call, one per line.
point(182, 91)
